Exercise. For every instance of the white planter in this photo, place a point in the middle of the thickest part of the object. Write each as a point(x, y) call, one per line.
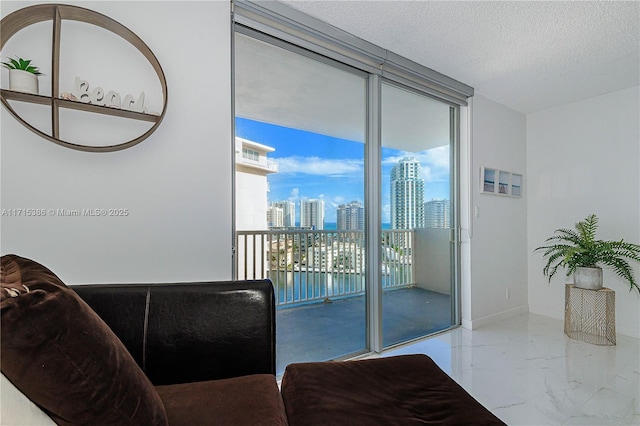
point(588, 278)
point(23, 81)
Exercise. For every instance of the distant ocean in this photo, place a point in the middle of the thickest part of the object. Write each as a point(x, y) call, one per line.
point(332, 226)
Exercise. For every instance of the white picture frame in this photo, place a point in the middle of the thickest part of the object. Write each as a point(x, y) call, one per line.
point(488, 180)
point(516, 185)
point(500, 182)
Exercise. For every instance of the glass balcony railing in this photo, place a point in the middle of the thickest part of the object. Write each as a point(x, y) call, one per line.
point(308, 266)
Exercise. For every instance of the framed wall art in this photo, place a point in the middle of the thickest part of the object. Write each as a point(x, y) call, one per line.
point(500, 182)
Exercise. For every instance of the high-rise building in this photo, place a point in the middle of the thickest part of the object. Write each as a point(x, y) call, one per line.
point(275, 216)
point(289, 212)
point(312, 214)
point(350, 216)
point(252, 187)
point(437, 214)
point(407, 195)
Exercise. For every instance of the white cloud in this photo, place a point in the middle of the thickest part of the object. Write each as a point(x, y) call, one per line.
point(434, 162)
point(319, 166)
point(294, 194)
point(439, 157)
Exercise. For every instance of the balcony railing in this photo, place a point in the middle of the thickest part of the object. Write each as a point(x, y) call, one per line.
point(262, 163)
point(311, 266)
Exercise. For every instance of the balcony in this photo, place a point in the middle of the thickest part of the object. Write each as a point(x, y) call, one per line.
point(319, 283)
point(261, 163)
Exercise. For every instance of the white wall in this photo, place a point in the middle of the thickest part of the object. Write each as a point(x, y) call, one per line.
point(176, 184)
point(433, 248)
point(496, 252)
point(583, 158)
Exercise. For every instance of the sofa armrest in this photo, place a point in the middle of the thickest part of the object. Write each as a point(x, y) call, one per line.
point(189, 332)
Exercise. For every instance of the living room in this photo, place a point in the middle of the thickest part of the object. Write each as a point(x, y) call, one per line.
point(177, 185)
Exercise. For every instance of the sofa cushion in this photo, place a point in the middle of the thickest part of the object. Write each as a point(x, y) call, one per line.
point(63, 357)
point(17, 409)
point(402, 390)
point(252, 400)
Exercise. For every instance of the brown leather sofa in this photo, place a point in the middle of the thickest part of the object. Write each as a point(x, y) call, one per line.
point(140, 354)
point(202, 345)
point(196, 354)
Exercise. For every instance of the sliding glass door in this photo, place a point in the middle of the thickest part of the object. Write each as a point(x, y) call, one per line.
point(416, 251)
point(299, 194)
point(344, 198)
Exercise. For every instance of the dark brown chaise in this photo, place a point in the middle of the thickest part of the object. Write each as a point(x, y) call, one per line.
point(401, 390)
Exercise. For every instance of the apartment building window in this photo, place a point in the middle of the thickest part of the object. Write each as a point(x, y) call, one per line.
point(370, 138)
point(250, 154)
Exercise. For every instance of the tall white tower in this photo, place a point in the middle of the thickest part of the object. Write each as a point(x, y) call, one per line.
point(252, 187)
point(350, 216)
point(312, 214)
point(289, 212)
point(437, 214)
point(407, 195)
point(275, 217)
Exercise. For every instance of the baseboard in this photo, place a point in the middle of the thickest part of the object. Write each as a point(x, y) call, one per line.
point(499, 316)
point(546, 311)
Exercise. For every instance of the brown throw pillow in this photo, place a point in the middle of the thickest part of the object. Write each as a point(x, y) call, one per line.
point(63, 357)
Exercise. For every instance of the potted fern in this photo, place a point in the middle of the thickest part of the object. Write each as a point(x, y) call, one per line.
point(582, 255)
point(23, 77)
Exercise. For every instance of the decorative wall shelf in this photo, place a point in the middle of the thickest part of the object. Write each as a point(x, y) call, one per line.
point(57, 13)
point(80, 106)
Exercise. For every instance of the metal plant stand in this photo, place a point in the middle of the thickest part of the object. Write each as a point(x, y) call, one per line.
point(590, 315)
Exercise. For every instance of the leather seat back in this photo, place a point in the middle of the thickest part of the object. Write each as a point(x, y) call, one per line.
point(187, 332)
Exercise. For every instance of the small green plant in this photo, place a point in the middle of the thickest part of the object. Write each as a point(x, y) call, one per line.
point(21, 64)
point(572, 249)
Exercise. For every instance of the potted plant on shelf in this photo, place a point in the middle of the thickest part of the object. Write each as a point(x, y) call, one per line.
point(23, 77)
point(581, 254)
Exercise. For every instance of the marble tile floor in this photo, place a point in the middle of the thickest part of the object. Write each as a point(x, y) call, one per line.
point(528, 372)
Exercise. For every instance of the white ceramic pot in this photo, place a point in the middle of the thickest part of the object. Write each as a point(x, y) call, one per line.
point(23, 81)
point(588, 278)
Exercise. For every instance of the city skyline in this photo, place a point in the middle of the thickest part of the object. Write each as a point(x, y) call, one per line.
point(315, 166)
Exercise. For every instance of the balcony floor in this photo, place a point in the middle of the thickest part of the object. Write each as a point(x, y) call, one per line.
point(324, 331)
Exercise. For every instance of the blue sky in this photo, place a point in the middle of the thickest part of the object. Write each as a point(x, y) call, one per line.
point(312, 165)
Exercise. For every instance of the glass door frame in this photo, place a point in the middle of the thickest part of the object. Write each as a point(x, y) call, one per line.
point(373, 183)
point(373, 208)
point(366, 76)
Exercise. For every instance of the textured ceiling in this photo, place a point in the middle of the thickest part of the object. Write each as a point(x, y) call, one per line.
point(529, 56)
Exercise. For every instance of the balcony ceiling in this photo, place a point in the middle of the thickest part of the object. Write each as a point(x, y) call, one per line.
point(294, 91)
point(529, 56)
